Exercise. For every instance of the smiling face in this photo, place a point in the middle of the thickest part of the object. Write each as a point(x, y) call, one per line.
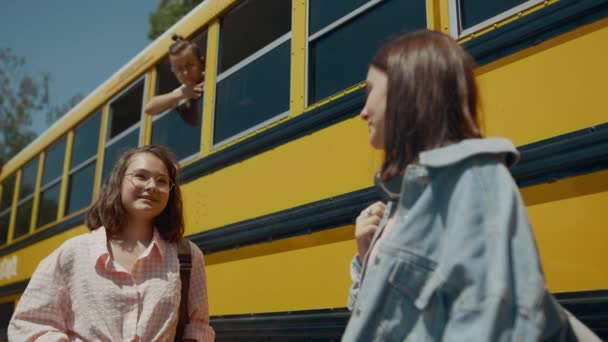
point(145, 187)
point(375, 106)
point(187, 67)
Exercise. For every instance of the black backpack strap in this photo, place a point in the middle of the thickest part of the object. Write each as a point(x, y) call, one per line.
point(184, 255)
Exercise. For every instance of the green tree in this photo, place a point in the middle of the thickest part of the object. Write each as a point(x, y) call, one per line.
point(21, 95)
point(167, 14)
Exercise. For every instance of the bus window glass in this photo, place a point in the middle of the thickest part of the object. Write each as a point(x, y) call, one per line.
point(24, 215)
point(114, 150)
point(28, 178)
point(186, 119)
point(125, 111)
point(249, 27)
point(82, 166)
point(253, 86)
point(338, 59)
point(53, 161)
point(180, 130)
point(473, 12)
point(86, 137)
point(47, 207)
point(255, 94)
point(8, 187)
point(80, 188)
point(323, 12)
point(4, 221)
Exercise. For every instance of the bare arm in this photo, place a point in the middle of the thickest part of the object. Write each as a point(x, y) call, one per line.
point(161, 103)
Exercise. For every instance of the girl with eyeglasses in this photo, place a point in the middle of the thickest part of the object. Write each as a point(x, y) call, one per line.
point(451, 256)
point(187, 64)
point(121, 281)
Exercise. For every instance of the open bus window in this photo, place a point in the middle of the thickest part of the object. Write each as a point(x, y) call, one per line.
point(51, 183)
point(340, 47)
point(125, 115)
point(6, 201)
point(254, 67)
point(186, 119)
point(125, 110)
point(82, 166)
point(468, 16)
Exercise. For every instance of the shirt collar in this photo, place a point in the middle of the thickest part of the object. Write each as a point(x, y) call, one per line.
point(454, 153)
point(101, 254)
point(99, 246)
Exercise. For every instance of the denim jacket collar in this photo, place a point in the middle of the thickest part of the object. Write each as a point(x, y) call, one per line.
point(454, 153)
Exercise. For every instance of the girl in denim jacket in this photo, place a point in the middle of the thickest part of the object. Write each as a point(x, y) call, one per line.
point(451, 256)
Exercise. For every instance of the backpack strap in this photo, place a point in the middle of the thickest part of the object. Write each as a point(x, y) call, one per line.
point(184, 255)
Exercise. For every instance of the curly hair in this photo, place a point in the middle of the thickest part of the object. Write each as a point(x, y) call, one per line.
point(108, 211)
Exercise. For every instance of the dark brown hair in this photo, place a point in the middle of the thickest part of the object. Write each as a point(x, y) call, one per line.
point(431, 99)
point(180, 44)
point(108, 211)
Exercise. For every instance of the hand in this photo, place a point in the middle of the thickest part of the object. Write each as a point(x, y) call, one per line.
point(193, 91)
point(366, 226)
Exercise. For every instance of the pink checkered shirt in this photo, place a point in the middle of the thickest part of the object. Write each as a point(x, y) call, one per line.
point(79, 293)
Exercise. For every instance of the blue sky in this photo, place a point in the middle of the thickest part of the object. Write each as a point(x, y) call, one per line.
point(81, 43)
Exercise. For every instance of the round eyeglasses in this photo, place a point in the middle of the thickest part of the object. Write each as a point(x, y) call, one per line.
point(141, 180)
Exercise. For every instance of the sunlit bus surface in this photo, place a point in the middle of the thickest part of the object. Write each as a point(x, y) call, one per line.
point(276, 164)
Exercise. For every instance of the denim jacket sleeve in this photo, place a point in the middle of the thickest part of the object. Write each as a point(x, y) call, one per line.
point(493, 277)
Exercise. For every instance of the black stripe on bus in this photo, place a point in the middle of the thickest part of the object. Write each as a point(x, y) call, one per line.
point(51, 231)
point(321, 215)
point(530, 30)
point(567, 155)
point(591, 307)
point(14, 288)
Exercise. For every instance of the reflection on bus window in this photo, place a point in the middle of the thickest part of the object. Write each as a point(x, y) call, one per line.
point(340, 51)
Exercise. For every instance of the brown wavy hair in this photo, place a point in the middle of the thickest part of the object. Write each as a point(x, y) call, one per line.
point(108, 211)
point(431, 98)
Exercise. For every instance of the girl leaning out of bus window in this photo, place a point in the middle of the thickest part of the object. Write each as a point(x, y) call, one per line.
point(188, 65)
point(121, 281)
point(451, 256)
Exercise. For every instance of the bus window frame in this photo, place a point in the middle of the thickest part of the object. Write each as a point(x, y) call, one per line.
point(455, 23)
point(51, 183)
point(357, 12)
point(109, 141)
point(234, 69)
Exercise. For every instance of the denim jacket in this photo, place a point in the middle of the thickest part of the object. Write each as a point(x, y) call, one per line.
point(461, 262)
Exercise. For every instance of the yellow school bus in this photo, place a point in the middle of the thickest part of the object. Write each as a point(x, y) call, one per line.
point(276, 164)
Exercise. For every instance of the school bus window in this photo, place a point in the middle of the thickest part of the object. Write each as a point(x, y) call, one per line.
point(125, 115)
point(125, 111)
point(323, 12)
point(4, 220)
point(5, 206)
point(26, 198)
point(116, 148)
point(8, 186)
point(469, 15)
point(338, 53)
point(253, 85)
point(82, 165)
point(51, 183)
point(186, 119)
